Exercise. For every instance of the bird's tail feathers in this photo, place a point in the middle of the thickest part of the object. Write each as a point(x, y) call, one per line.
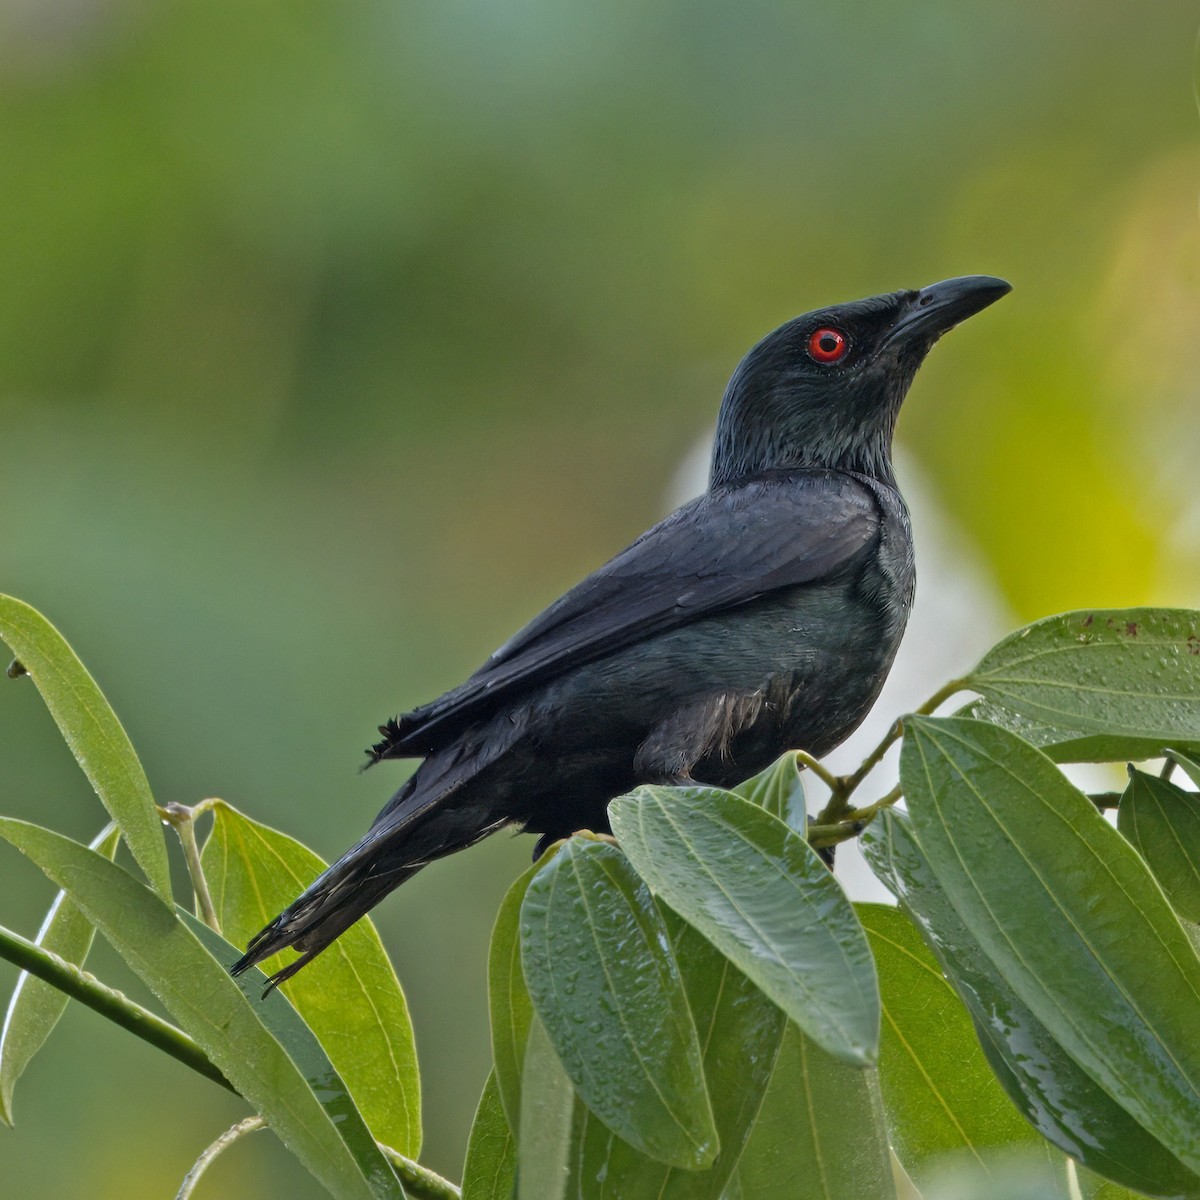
point(410, 832)
point(324, 912)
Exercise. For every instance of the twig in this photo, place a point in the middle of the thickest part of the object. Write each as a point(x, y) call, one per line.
point(231, 1135)
point(822, 772)
point(108, 1002)
point(841, 788)
point(182, 819)
point(863, 815)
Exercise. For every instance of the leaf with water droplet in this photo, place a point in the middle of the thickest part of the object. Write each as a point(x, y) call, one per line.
point(1068, 913)
point(740, 1032)
point(759, 892)
point(1128, 690)
point(642, 1074)
point(939, 1092)
point(1053, 1093)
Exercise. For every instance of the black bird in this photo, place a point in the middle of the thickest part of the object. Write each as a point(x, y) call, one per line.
point(760, 617)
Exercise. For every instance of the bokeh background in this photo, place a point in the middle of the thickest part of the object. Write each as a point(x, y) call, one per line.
point(336, 339)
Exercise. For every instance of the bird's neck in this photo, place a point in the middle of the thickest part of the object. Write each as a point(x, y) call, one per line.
point(864, 448)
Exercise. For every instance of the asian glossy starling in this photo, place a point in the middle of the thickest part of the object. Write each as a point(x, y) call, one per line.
point(762, 616)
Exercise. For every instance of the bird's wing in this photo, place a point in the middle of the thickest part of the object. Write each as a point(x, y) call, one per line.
point(730, 546)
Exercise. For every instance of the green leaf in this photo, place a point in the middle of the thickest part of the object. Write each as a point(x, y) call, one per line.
point(820, 1132)
point(1055, 1095)
point(740, 1030)
point(1065, 745)
point(490, 1171)
point(780, 790)
point(92, 731)
point(1067, 911)
point(939, 1093)
point(764, 898)
point(280, 1069)
point(549, 1115)
point(349, 996)
point(1163, 822)
point(1128, 676)
point(509, 1006)
point(603, 981)
point(36, 1006)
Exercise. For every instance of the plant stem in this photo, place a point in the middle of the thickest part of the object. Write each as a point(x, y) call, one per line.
point(108, 1002)
point(838, 808)
point(821, 836)
point(420, 1182)
point(831, 781)
point(183, 820)
point(862, 815)
point(231, 1135)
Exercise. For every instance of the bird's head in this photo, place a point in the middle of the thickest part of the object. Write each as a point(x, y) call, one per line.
point(825, 389)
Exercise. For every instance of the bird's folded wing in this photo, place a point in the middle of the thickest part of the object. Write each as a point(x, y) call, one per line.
point(778, 530)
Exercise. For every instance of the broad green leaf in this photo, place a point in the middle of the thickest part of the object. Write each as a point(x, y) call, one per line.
point(1055, 1095)
point(763, 897)
point(262, 1048)
point(1066, 745)
point(549, 1113)
point(1067, 911)
point(1123, 673)
point(490, 1171)
point(91, 729)
point(939, 1093)
point(605, 985)
point(740, 1030)
point(349, 996)
point(1163, 822)
point(509, 1006)
point(780, 790)
point(35, 1006)
point(820, 1132)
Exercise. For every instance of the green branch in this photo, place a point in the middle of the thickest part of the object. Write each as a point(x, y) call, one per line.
point(108, 1002)
point(841, 788)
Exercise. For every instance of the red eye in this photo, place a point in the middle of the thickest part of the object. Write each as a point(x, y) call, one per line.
point(827, 345)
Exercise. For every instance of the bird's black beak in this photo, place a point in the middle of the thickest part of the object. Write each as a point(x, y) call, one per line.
point(939, 307)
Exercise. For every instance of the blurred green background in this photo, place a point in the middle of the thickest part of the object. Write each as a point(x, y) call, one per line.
point(336, 339)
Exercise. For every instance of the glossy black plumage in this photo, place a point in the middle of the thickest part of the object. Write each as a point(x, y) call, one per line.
point(762, 616)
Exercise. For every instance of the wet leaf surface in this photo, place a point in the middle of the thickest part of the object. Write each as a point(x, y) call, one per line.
point(604, 982)
point(1054, 1094)
point(1130, 677)
point(764, 898)
point(1067, 912)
